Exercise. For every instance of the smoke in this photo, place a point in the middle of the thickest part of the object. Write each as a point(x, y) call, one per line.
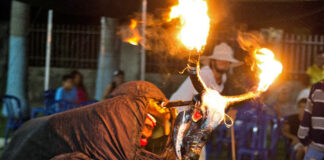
point(160, 36)
point(250, 41)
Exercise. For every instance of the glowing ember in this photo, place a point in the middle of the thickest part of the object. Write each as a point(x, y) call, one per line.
point(195, 22)
point(135, 36)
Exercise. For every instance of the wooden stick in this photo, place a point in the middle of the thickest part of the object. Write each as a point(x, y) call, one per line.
point(233, 142)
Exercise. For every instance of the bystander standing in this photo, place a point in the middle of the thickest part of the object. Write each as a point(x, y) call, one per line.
point(311, 128)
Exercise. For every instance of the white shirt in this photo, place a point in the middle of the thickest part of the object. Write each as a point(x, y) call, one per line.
point(187, 91)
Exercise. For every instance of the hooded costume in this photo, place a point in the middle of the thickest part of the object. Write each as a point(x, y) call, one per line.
point(110, 129)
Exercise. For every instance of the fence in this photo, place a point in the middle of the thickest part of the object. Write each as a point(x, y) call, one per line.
point(298, 51)
point(76, 46)
point(73, 46)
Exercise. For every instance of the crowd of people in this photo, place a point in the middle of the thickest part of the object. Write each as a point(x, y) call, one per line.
point(131, 122)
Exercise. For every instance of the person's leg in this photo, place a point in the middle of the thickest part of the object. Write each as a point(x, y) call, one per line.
point(313, 154)
point(300, 152)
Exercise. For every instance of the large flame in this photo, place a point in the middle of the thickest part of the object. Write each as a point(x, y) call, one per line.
point(134, 37)
point(269, 67)
point(194, 20)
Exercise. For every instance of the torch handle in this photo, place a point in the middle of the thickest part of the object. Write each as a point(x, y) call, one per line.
point(193, 66)
point(177, 103)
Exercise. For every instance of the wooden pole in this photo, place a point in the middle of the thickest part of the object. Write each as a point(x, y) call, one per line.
point(233, 142)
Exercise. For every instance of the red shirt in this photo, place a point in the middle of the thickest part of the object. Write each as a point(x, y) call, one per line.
point(82, 95)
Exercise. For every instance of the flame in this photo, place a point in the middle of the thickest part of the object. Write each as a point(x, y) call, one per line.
point(194, 22)
point(270, 68)
point(135, 36)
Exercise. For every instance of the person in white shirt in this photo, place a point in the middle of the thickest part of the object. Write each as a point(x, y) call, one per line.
point(213, 75)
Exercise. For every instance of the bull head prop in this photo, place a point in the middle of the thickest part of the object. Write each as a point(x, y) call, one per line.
point(190, 133)
point(192, 127)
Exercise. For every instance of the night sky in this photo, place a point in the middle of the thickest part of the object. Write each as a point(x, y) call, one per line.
point(296, 17)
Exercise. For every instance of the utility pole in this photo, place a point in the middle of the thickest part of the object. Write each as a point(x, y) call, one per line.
point(143, 54)
point(17, 66)
point(107, 59)
point(48, 49)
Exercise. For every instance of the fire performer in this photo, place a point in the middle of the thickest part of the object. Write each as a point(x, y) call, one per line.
point(117, 128)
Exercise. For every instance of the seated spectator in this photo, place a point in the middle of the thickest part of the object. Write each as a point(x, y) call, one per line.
point(78, 82)
point(118, 80)
point(67, 91)
point(290, 129)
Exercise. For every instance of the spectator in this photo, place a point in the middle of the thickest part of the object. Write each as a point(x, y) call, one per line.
point(67, 91)
point(316, 71)
point(78, 82)
point(311, 128)
point(290, 128)
point(118, 80)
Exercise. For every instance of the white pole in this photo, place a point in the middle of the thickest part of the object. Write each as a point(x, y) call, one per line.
point(48, 49)
point(142, 70)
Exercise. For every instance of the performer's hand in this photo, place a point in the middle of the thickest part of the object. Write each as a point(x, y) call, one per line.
point(163, 115)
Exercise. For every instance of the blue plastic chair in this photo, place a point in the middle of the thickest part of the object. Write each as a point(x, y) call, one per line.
point(86, 103)
point(258, 147)
point(62, 105)
point(14, 114)
point(222, 139)
point(242, 128)
point(49, 100)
